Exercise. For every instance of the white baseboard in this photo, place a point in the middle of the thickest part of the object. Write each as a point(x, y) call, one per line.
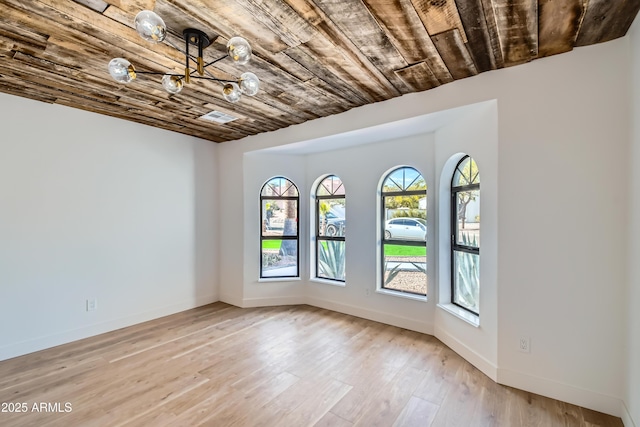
point(48, 341)
point(468, 354)
point(564, 392)
point(377, 316)
point(627, 420)
point(272, 301)
point(231, 299)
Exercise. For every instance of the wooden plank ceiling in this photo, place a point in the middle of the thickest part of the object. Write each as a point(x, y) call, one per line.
point(314, 57)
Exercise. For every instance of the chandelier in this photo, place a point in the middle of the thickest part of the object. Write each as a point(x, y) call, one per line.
point(152, 28)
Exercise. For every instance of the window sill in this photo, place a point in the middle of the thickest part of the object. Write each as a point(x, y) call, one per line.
point(328, 282)
point(278, 279)
point(420, 298)
point(462, 314)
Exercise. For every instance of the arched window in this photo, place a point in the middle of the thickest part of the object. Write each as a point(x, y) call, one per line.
point(330, 229)
point(404, 231)
point(465, 235)
point(279, 221)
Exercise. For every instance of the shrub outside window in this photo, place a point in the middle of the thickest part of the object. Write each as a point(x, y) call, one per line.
point(404, 232)
point(279, 242)
point(330, 229)
point(465, 236)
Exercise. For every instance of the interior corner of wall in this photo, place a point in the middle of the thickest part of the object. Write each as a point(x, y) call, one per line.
point(488, 367)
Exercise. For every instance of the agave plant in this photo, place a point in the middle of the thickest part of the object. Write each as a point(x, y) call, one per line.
point(331, 259)
point(420, 266)
point(270, 259)
point(391, 273)
point(468, 275)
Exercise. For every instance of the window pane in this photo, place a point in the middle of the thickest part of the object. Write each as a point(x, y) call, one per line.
point(331, 261)
point(280, 217)
point(279, 187)
point(466, 173)
point(468, 218)
point(404, 179)
point(331, 217)
point(466, 280)
point(279, 258)
point(331, 186)
point(405, 218)
point(405, 268)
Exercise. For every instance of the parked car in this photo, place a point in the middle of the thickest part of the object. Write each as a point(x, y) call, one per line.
point(406, 229)
point(335, 225)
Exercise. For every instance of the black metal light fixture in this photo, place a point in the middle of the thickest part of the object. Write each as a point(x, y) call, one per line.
point(152, 28)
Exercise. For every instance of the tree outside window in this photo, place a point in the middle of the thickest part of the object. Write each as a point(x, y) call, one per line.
point(465, 235)
point(279, 240)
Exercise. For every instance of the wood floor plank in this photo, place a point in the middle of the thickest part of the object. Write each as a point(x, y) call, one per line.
point(417, 413)
point(314, 407)
point(174, 413)
point(387, 405)
point(221, 365)
point(440, 380)
point(461, 402)
point(256, 396)
point(331, 420)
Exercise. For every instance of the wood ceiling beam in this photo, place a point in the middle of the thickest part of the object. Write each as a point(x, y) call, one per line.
point(559, 23)
point(517, 22)
point(403, 26)
point(472, 15)
point(455, 54)
point(605, 20)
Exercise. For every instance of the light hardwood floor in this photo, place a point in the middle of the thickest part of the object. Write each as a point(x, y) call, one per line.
point(298, 366)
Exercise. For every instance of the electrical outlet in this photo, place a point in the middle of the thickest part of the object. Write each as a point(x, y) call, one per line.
point(524, 344)
point(92, 304)
point(367, 292)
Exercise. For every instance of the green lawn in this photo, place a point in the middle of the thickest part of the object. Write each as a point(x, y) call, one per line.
point(271, 244)
point(389, 250)
point(400, 250)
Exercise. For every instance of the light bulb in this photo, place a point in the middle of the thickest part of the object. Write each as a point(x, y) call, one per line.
point(121, 70)
point(172, 84)
point(239, 50)
point(231, 92)
point(249, 84)
point(150, 26)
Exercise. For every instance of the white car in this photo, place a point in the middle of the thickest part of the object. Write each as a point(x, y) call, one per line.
point(406, 229)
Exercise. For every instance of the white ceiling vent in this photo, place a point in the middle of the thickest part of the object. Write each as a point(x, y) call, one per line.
point(218, 117)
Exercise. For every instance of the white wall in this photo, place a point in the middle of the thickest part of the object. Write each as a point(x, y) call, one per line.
point(95, 207)
point(258, 169)
point(563, 131)
point(474, 134)
point(361, 169)
point(358, 297)
point(632, 392)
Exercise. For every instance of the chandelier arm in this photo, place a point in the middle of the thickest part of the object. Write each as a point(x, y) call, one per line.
point(158, 74)
point(195, 59)
point(179, 49)
point(215, 60)
point(153, 73)
point(214, 79)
